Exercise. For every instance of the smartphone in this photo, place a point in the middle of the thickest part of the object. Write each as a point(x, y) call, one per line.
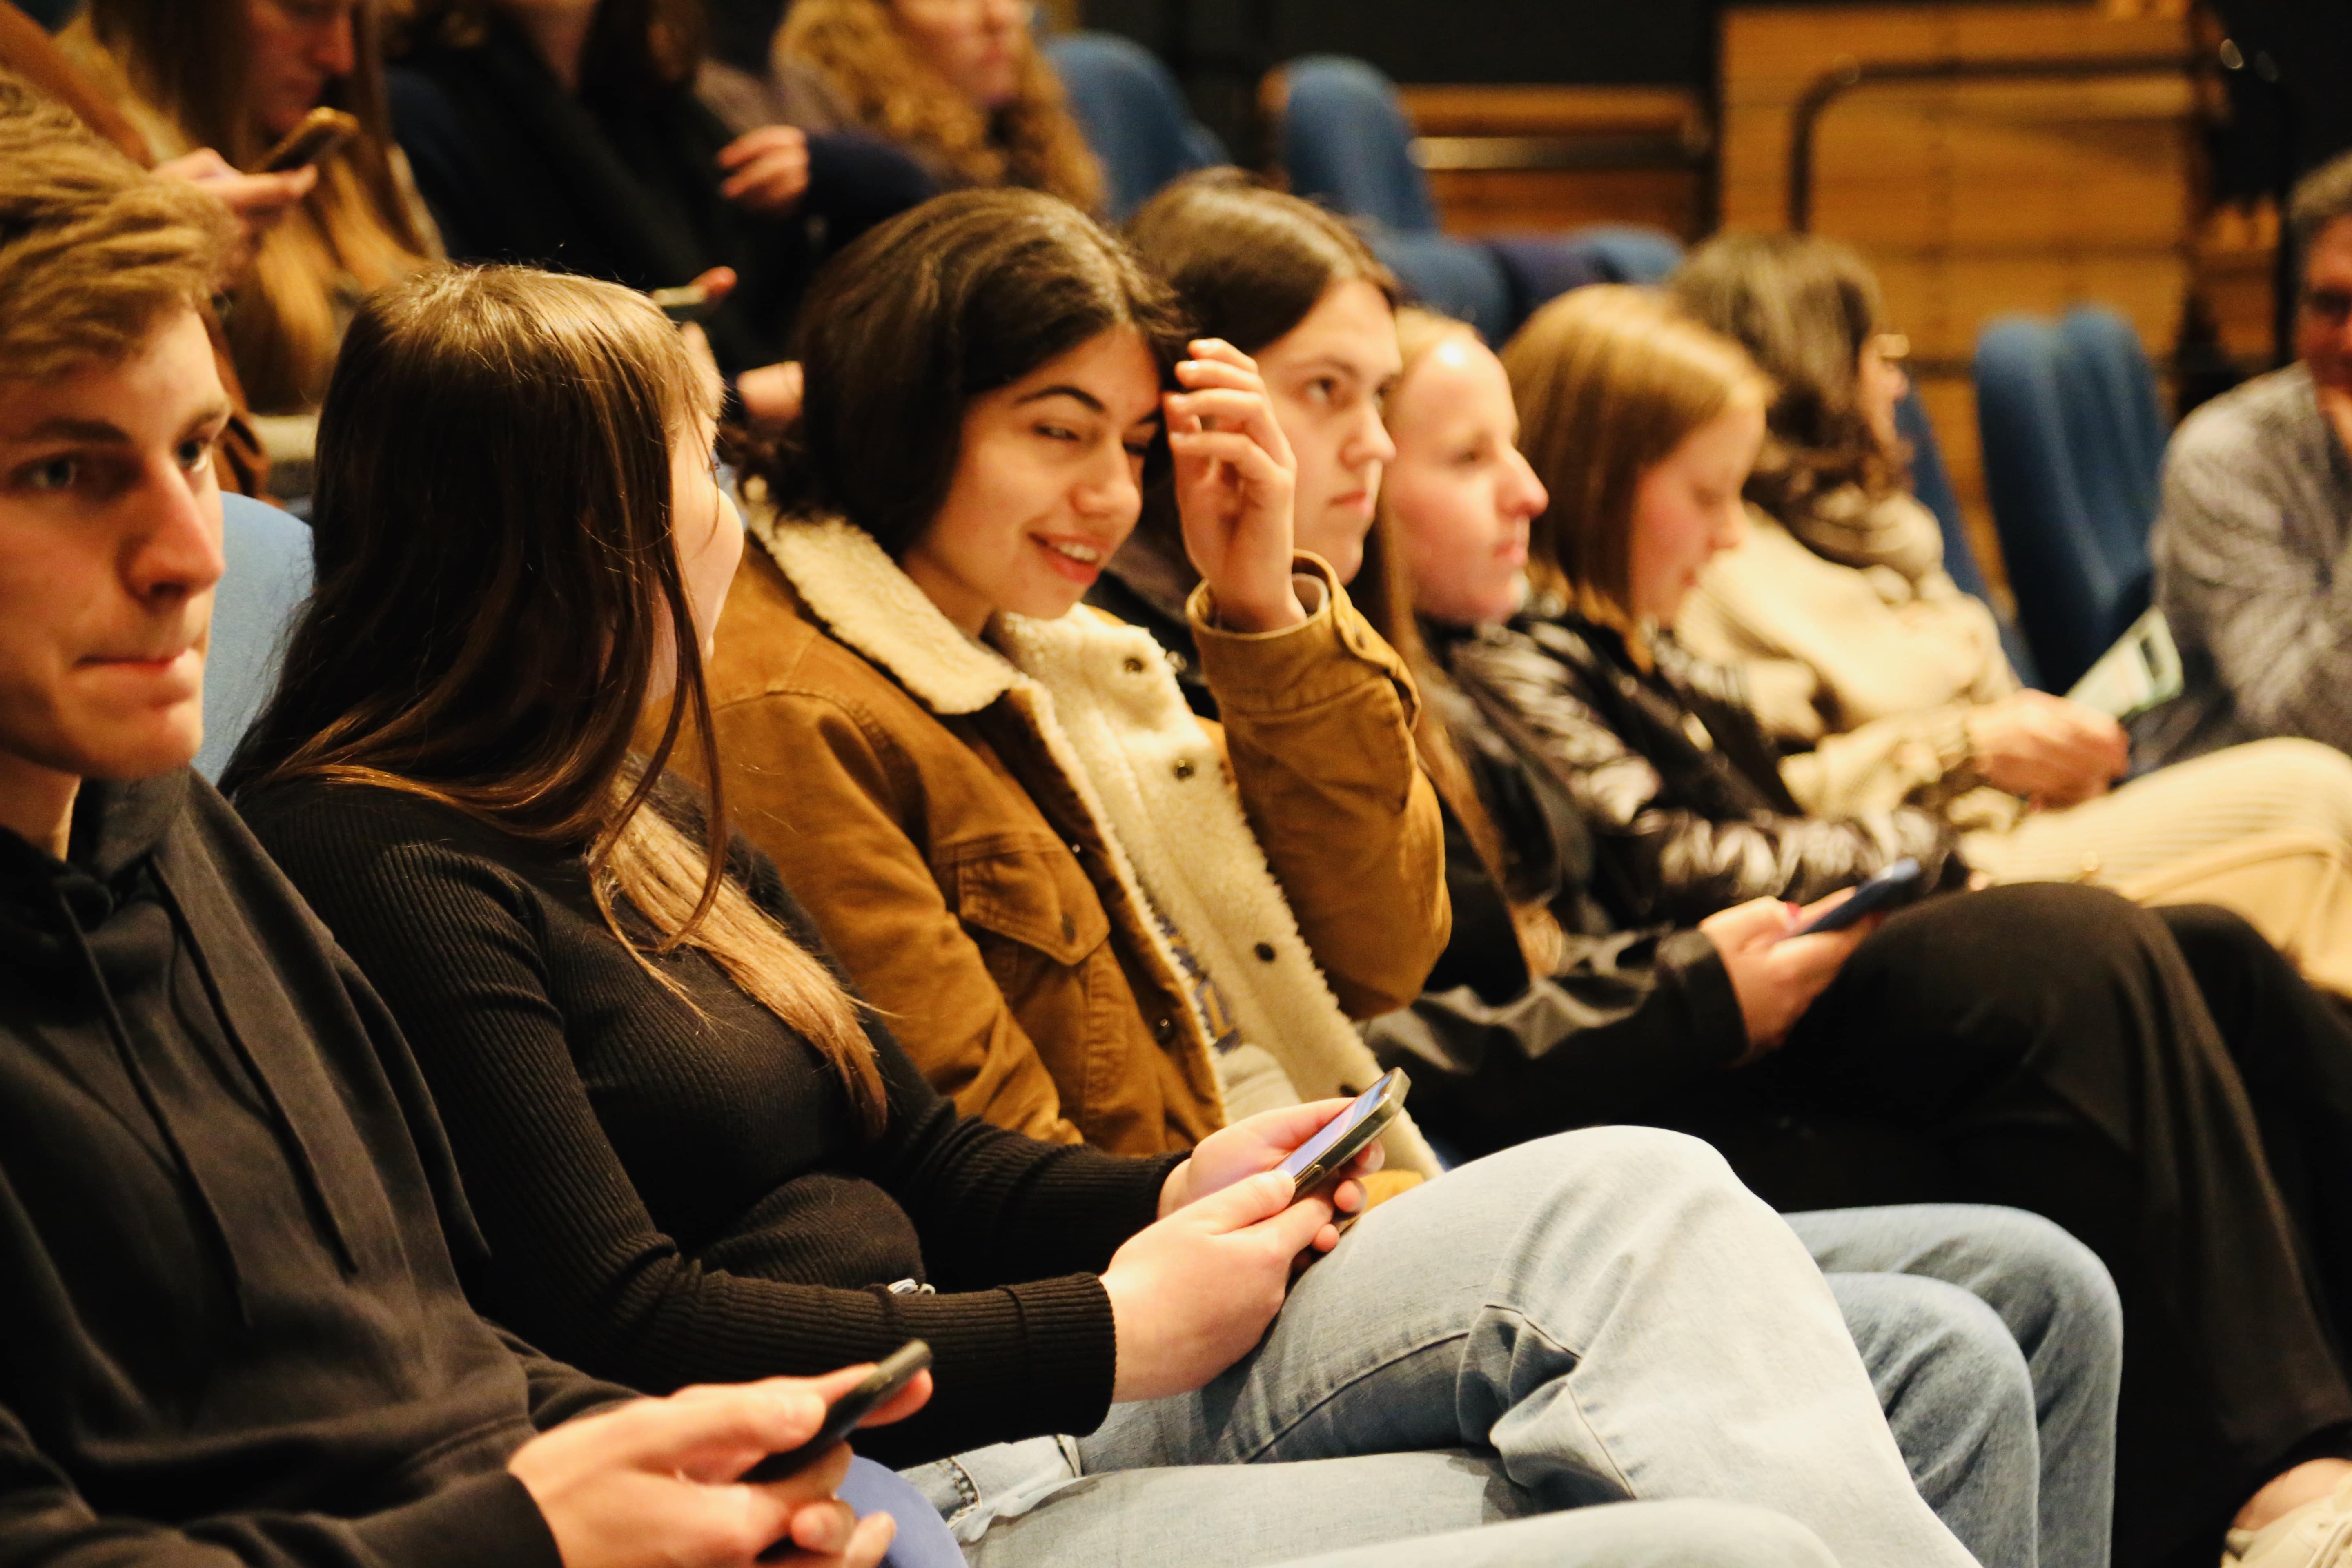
point(1343, 1137)
point(840, 1418)
point(686, 303)
point(2141, 672)
point(321, 132)
point(1896, 886)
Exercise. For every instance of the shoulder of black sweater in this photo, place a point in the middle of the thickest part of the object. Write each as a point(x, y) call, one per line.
point(303, 1030)
point(1007, 1224)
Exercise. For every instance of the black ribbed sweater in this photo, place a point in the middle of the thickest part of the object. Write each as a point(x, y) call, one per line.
point(672, 1198)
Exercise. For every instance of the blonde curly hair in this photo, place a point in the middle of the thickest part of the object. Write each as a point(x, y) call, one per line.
point(890, 89)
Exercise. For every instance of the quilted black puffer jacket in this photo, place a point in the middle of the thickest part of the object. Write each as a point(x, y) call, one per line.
point(1678, 784)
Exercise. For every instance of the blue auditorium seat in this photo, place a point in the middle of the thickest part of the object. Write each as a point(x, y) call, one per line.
point(1932, 483)
point(268, 578)
point(1134, 116)
point(2071, 440)
point(1346, 142)
point(923, 1540)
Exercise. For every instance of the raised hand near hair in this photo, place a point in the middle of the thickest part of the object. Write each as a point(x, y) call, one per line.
point(256, 201)
point(1234, 479)
point(652, 1484)
point(1190, 1295)
point(767, 169)
point(2051, 750)
point(1777, 980)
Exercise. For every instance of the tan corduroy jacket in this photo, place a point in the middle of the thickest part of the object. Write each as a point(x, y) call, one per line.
point(975, 827)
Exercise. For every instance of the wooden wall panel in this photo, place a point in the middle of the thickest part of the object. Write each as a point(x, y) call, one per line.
point(1976, 200)
point(1638, 152)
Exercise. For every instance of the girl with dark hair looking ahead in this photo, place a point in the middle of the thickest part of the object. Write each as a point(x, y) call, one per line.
point(1600, 1031)
point(691, 1148)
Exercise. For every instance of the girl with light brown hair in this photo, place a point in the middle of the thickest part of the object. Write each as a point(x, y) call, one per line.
point(1883, 684)
point(214, 85)
point(1996, 1046)
point(961, 84)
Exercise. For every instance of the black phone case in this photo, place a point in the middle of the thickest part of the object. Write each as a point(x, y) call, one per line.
point(842, 1418)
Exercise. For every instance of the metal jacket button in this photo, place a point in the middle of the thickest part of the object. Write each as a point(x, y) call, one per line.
point(1183, 767)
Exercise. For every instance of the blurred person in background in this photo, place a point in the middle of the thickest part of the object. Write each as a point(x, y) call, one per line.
point(212, 86)
point(959, 84)
point(1883, 684)
point(566, 135)
point(2160, 1082)
point(2250, 547)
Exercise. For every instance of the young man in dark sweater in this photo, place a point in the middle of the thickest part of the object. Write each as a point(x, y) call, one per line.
point(232, 1330)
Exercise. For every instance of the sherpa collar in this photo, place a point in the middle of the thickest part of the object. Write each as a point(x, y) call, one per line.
point(851, 584)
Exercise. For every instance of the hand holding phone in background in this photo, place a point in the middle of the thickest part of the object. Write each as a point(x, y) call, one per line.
point(256, 201)
point(1775, 973)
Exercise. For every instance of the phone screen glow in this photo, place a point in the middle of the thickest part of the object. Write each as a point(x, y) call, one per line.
point(1307, 1153)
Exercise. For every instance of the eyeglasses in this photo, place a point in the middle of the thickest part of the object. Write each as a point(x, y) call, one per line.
point(2333, 306)
point(1022, 12)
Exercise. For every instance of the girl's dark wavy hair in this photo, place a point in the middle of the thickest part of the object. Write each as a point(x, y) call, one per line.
point(1802, 307)
point(959, 297)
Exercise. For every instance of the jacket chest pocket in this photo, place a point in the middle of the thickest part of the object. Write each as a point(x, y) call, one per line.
point(1038, 899)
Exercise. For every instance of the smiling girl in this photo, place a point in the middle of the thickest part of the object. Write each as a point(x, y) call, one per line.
point(1089, 915)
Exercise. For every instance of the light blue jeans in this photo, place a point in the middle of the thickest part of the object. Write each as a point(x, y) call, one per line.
point(1995, 1340)
point(1587, 1318)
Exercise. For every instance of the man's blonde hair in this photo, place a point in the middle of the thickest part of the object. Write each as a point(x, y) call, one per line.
point(94, 250)
point(1609, 380)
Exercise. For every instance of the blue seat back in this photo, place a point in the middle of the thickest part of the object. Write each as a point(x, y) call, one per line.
point(2114, 429)
point(1134, 116)
point(1467, 283)
point(2075, 543)
point(1345, 144)
point(267, 580)
point(1630, 252)
point(1931, 481)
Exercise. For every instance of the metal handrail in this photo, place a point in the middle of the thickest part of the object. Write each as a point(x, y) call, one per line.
point(1850, 74)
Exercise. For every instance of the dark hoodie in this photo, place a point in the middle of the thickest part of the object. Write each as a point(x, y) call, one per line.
point(232, 1330)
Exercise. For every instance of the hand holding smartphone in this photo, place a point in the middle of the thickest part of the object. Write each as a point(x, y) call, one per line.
point(840, 1418)
point(1891, 888)
point(320, 132)
point(1322, 1157)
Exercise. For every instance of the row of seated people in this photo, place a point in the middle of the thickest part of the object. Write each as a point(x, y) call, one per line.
point(599, 137)
point(693, 1155)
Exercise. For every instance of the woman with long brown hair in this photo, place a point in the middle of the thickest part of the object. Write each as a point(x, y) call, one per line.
point(1886, 684)
point(231, 78)
point(690, 1148)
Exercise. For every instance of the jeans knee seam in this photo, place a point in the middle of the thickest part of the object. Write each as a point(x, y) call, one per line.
point(1337, 1389)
